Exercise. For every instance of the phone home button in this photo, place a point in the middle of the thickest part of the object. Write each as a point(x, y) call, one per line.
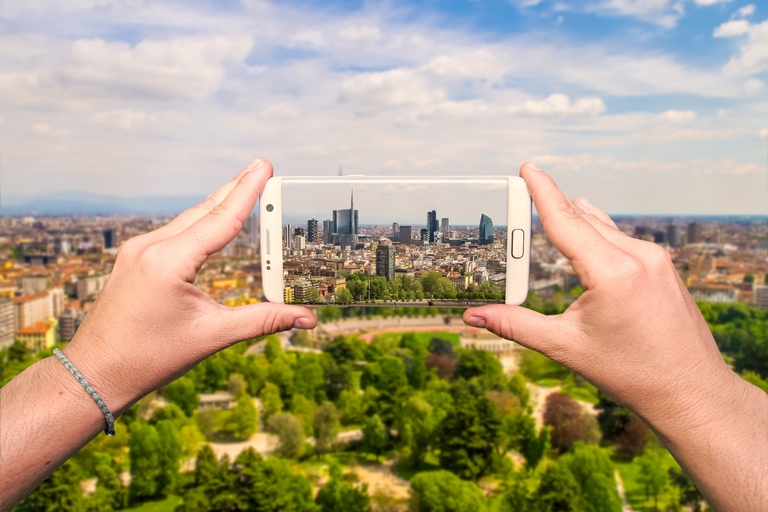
point(518, 243)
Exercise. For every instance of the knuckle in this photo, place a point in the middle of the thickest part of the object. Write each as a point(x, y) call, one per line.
point(150, 259)
point(207, 204)
point(128, 249)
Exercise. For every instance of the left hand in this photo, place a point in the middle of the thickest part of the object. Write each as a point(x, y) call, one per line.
point(151, 324)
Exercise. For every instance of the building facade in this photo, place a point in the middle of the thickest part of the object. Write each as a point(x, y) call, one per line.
point(385, 261)
point(485, 234)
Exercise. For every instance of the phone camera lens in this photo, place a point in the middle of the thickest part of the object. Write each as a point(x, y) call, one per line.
point(270, 207)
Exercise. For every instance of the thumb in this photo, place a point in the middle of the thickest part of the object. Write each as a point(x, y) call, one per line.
point(522, 325)
point(255, 320)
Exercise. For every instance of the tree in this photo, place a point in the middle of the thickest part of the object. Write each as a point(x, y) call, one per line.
point(255, 370)
point(110, 490)
point(308, 378)
point(521, 435)
point(195, 500)
point(559, 492)
point(182, 392)
point(506, 402)
point(326, 426)
point(173, 413)
point(338, 495)
point(144, 446)
point(290, 432)
point(480, 364)
point(280, 374)
point(206, 467)
point(443, 365)
point(270, 401)
point(689, 494)
point(442, 491)
point(60, 491)
point(441, 347)
point(304, 409)
point(244, 420)
point(169, 453)
point(191, 440)
point(312, 296)
point(468, 437)
point(631, 440)
point(563, 414)
point(237, 385)
point(302, 338)
point(343, 296)
point(518, 385)
point(612, 417)
point(272, 348)
point(594, 473)
point(653, 474)
point(350, 407)
point(375, 436)
point(419, 421)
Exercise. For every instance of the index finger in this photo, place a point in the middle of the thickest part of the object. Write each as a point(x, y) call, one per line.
point(569, 232)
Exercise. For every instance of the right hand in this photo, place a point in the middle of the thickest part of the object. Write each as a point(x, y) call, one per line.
point(635, 333)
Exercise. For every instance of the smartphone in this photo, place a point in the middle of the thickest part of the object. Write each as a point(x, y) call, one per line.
point(395, 241)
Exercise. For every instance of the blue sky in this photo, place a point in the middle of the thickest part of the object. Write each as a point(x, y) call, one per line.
point(642, 106)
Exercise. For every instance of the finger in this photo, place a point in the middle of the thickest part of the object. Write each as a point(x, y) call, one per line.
point(542, 333)
point(594, 210)
point(590, 253)
point(218, 227)
point(192, 215)
point(255, 320)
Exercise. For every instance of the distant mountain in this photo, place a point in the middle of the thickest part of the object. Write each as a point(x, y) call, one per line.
point(87, 203)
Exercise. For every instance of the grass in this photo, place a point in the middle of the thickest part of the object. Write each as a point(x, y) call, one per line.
point(166, 505)
point(423, 337)
point(407, 471)
point(549, 383)
point(582, 394)
point(630, 473)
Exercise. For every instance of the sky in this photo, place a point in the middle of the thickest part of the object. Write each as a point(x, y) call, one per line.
point(641, 106)
point(383, 201)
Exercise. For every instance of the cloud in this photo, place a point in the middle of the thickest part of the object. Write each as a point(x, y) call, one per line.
point(747, 10)
point(370, 92)
point(664, 13)
point(732, 28)
point(127, 119)
point(559, 105)
point(711, 2)
point(764, 133)
point(678, 116)
point(359, 33)
point(754, 54)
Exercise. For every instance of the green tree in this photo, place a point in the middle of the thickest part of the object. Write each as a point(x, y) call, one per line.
point(468, 437)
point(312, 296)
point(244, 420)
point(255, 370)
point(689, 494)
point(304, 409)
point(559, 492)
point(59, 492)
point(182, 392)
point(442, 491)
point(653, 474)
point(191, 440)
point(350, 407)
point(280, 374)
point(480, 364)
point(270, 401)
point(308, 378)
point(237, 385)
point(419, 421)
point(273, 350)
point(375, 436)
point(594, 473)
point(206, 467)
point(289, 430)
point(195, 500)
point(110, 489)
point(173, 413)
point(338, 495)
point(749, 278)
point(169, 480)
point(441, 347)
point(521, 435)
point(563, 414)
point(343, 297)
point(518, 385)
point(144, 453)
point(326, 426)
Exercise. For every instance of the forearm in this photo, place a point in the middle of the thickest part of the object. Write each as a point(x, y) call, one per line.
point(47, 417)
point(720, 439)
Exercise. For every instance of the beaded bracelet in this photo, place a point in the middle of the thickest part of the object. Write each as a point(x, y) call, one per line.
point(110, 430)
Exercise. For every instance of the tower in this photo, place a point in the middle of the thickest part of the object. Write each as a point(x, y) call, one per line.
point(485, 235)
point(432, 226)
point(313, 228)
point(385, 261)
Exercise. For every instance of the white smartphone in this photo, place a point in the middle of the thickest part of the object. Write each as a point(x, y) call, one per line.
point(395, 241)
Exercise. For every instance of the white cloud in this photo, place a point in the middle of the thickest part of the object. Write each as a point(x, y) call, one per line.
point(747, 10)
point(732, 28)
point(678, 116)
point(754, 54)
point(711, 2)
point(764, 133)
point(359, 33)
point(41, 128)
point(660, 12)
point(370, 92)
point(723, 112)
point(559, 105)
point(282, 111)
point(127, 119)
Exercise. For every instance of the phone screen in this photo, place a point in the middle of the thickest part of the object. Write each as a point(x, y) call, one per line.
point(388, 242)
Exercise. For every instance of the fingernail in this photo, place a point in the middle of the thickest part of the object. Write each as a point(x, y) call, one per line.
point(584, 203)
point(533, 166)
point(476, 321)
point(257, 164)
point(302, 323)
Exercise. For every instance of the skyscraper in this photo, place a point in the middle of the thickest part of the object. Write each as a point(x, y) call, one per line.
point(432, 226)
point(252, 226)
point(346, 223)
point(485, 235)
point(673, 235)
point(395, 232)
point(313, 229)
point(424, 235)
point(445, 226)
point(385, 261)
point(405, 235)
point(287, 236)
point(109, 238)
point(694, 233)
point(328, 231)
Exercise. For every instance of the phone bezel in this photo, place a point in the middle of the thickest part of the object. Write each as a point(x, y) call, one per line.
point(519, 211)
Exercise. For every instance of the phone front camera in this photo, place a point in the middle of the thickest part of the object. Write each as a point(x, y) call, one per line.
point(270, 207)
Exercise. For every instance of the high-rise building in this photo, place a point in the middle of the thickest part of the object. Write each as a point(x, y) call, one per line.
point(673, 235)
point(313, 231)
point(424, 235)
point(109, 238)
point(31, 285)
point(694, 233)
point(298, 231)
point(385, 261)
point(252, 226)
point(31, 309)
point(405, 235)
point(346, 224)
point(445, 226)
point(395, 232)
point(7, 321)
point(432, 226)
point(328, 231)
point(485, 235)
point(761, 296)
point(287, 236)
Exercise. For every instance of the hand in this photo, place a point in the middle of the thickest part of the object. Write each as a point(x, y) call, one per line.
point(635, 333)
point(151, 324)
